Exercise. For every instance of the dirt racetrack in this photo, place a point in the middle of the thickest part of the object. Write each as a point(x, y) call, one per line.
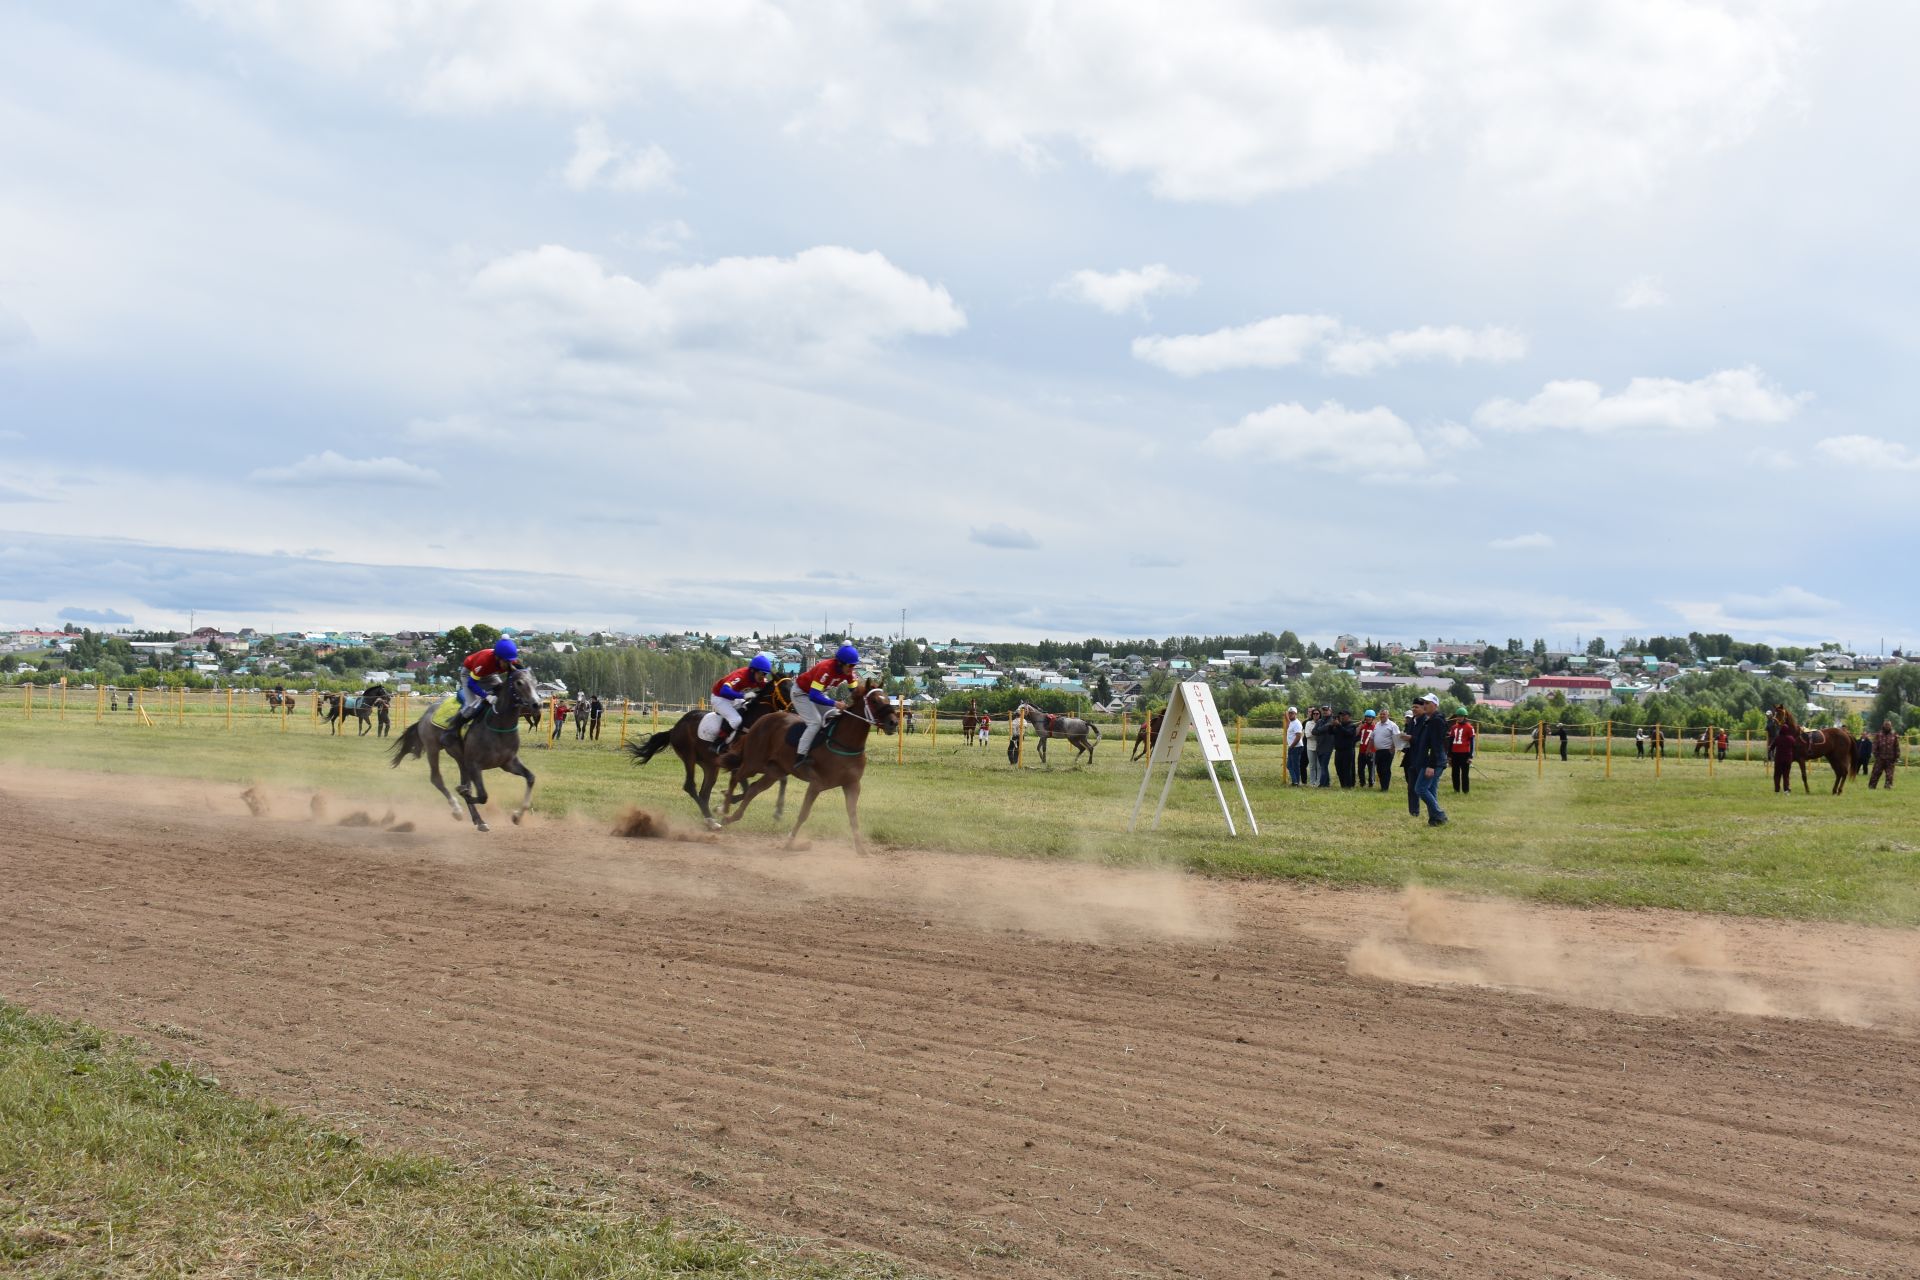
point(986, 1067)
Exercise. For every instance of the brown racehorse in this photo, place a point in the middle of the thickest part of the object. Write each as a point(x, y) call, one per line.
point(839, 758)
point(1148, 734)
point(1835, 747)
point(684, 738)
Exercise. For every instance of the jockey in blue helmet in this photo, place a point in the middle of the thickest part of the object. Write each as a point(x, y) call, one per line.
point(733, 689)
point(481, 673)
point(812, 699)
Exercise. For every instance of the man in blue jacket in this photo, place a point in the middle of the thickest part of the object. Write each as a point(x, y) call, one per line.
point(1426, 759)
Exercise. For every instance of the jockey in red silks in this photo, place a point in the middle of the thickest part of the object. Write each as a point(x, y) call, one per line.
point(812, 699)
point(481, 672)
point(733, 689)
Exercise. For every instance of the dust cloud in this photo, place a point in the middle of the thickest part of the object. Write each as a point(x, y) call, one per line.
point(1667, 963)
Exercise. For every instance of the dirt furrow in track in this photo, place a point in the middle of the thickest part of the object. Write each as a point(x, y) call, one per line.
point(989, 1067)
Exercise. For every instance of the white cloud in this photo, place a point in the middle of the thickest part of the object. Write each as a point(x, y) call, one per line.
point(825, 297)
point(1210, 100)
point(1290, 339)
point(1523, 542)
point(1641, 293)
point(1373, 442)
point(1005, 537)
point(598, 161)
point(1359, 354)
point(1790, 610)
point(1731, 395)
point(1869, 452)
point(1120, 292)
point(670, 236)
point(330, 468)
point(1265, 344)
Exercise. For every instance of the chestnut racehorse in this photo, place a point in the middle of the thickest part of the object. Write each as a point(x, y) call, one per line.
point(684, 738)
point(839, 757)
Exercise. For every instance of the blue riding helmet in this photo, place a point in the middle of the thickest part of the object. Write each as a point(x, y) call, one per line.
point(848, 654)
point(761, 663)
point(506, 650)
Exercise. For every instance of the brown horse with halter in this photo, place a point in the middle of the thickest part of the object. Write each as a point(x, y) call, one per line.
point(1147, 734)
point(694, 752)
point(1834, 745)
point(765, 755)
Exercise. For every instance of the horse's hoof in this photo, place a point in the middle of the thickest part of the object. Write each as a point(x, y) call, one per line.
point(516, 819)
point(481, 826)
point(714, 824)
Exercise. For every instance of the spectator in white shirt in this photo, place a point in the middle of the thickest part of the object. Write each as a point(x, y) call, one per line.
point(1296, 749)
point(1387, 739)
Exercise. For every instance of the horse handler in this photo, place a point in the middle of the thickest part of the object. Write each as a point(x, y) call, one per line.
point(1886, 754)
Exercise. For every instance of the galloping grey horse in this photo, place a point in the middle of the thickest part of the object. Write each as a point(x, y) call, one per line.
point(491, 742)
point(1046, 725)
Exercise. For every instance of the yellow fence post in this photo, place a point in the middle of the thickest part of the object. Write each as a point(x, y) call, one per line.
point(1239, 723)
point(1540, 751)
point(229, 708)
point(1609, 748)
point(63, 697)
point(29, 689)
point(99, 703)
point(625, 702)
point(1713, 742)
point(933, 726)
point(283, 714)
point(656, 718)
point(1658, 749)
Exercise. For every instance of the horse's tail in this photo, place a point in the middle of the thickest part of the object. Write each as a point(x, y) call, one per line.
point(1094, 729)
point(645, 751)
point(410, 744)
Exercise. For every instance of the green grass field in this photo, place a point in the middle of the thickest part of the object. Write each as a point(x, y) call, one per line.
point(112, 1164)
point(1692, 838)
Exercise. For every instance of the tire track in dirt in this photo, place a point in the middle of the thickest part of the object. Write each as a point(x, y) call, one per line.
point(856, 1060)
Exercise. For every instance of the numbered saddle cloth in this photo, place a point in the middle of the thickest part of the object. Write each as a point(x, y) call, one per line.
point(444, 713)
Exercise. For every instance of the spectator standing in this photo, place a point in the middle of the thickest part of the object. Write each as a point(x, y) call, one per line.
point(1886, 754)
point(1460, 739)
point(1773, 732)
point(1310, 742)
point(1323, 742)
point(1640, 741)
point(597, 708)
point(1720, 746)
point(1344, 736)
point(1386, 741)
point(1863, 753)
point(1560, 731)
point(980, 732)
point(559, 717)
point(1296, 749)
point(1366, 749)
point(581, 715)
point(1426, 757)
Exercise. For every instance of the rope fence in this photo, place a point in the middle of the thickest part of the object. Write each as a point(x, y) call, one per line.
point(922, 733)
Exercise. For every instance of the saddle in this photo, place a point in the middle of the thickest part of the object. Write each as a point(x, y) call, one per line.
point(826, 733)
point(1815, 737)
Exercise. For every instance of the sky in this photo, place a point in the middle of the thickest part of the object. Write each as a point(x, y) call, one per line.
point(1458, 320)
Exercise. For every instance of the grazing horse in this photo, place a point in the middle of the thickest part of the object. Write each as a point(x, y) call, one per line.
point(491, 742)
point(1147, 734)
point(684, 738)
point(1082, 735)
point(1835, 746)
point(765, 754)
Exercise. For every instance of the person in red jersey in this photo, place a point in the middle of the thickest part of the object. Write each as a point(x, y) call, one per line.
point(731, 691)
point(812, 697)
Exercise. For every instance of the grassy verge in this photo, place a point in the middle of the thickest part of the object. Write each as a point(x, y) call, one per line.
point(111, 1165)
point(1693, 837)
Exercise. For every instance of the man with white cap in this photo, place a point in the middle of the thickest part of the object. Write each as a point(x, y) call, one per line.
point(1296, 749)
point(1426, 757)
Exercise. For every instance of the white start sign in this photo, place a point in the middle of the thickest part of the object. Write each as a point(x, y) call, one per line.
point(1192, 710)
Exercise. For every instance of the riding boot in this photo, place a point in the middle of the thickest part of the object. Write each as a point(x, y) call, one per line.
point(801, 764)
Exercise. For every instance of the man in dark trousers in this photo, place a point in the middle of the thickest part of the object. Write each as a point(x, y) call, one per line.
point(1561, 730)
point(1427, 753)
point(1345, 735)
point(1323, 736)
point(1409, 766)
point(1460, 735)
